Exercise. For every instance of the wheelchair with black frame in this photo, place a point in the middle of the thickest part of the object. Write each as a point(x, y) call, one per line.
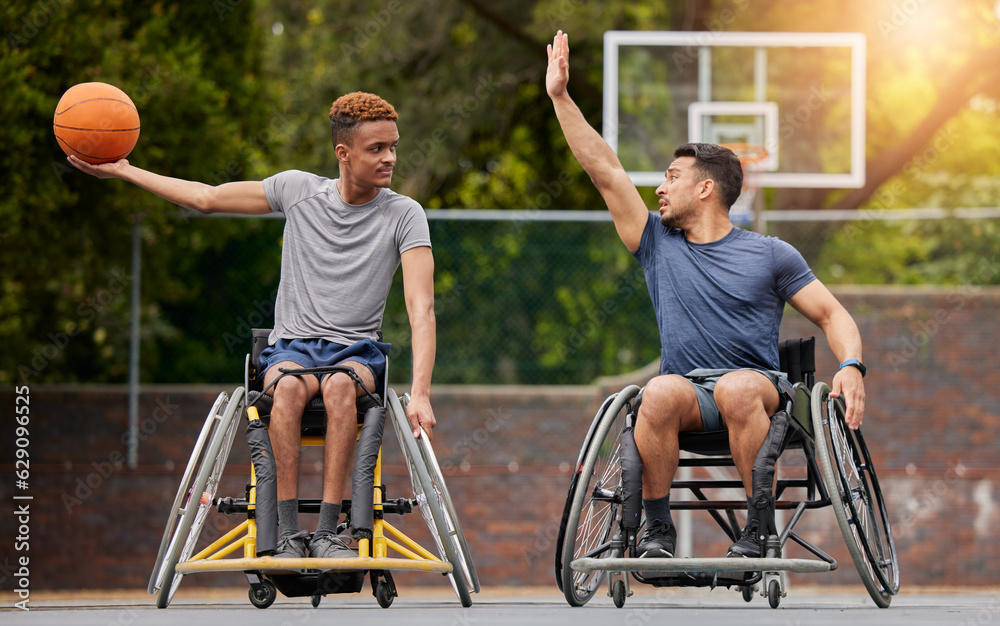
point(255, 539)
point(602, 518)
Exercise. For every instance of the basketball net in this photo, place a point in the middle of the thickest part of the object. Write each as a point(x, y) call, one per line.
point(752, 159)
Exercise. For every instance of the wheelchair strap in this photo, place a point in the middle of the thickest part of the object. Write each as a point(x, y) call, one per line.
point(763, 469)
point(302, 371)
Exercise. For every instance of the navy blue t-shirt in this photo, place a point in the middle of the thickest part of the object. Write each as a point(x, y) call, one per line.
point(718, 305)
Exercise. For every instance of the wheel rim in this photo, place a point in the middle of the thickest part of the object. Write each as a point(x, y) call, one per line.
point(191, 521)
point(596, 502)
point(870, 520)
point(429, 502)
point(856, 497)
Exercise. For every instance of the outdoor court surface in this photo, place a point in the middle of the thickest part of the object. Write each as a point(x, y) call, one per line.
point(537, 606)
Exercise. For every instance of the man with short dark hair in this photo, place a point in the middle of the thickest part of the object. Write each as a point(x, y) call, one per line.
point(343, 240)
point(718, 293)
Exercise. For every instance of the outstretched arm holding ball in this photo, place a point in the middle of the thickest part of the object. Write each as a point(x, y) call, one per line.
point(239, 197)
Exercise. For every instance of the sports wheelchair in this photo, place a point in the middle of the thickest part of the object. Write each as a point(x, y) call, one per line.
point(365, 513)
point(602, 517)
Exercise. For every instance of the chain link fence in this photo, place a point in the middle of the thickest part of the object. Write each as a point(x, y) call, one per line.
point(526, 296)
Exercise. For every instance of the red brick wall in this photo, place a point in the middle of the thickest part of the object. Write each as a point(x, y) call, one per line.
point(932, 423)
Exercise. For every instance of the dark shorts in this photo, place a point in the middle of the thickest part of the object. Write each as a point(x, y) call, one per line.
point(322, 353)
point(704, 387)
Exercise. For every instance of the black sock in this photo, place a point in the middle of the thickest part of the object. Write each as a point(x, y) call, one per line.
point(658, 509)
point(288, 516)
point(329, 516)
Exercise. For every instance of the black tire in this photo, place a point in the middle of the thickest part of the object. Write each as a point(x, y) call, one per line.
point(618, 593)
point(383, 594)
point(264, 595)
point(595, 504)
point(430, 502)
point(747, 591)
point(315, 600)
point(774, 593)
point(857, 500)
point(187, 521)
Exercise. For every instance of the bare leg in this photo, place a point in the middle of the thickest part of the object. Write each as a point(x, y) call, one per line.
point(291, 395)
point(340, 394)
point(746, 399)
point(669, 406)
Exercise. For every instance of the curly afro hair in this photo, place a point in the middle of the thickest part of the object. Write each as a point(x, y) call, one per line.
point(349, 110)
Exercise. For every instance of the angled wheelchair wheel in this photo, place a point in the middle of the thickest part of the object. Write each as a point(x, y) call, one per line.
point(849, 475)
point(430, 495)
point(594, 507)
point(451, 515)
point(195, 494)
point(183, 491)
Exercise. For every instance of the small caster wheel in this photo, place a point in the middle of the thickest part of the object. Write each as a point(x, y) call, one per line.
point(618, 593)
point(315, 600)
point(383, 594)
point(773, 594)
point(747, 592)
point(264, 595)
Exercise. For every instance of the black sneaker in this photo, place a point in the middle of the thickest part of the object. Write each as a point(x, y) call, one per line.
point(294, 546)
point(751, 544)
point(658, 540)
point(329, 546)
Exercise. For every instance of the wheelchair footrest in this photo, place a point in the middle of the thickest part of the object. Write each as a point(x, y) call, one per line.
point(725, 564)
point(323, 583)
point(271, 564)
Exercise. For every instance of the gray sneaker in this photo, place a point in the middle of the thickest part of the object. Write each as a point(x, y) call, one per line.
point(294, 546)
point(329, 546)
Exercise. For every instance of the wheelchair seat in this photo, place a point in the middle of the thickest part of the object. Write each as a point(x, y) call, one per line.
point(797, 358)
point(314, 415)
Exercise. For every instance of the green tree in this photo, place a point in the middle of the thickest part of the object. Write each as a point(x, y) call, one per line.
point(192, 71)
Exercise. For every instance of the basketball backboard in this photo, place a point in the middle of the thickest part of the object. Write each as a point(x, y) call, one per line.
point(800, 95)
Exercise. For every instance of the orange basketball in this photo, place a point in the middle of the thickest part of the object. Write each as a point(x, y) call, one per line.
point(97, 122)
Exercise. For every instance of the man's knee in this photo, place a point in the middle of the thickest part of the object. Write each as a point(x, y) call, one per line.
point(669, 402)
point(744, 392)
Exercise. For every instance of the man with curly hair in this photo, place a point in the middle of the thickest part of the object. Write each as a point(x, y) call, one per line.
point(343, 240)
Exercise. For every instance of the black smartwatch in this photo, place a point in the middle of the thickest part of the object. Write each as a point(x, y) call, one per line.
point(856, 363)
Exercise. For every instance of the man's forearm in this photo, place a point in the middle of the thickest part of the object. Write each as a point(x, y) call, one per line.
point(188, 194)
point(589, 148)
point(424, 351)
point(843, 336)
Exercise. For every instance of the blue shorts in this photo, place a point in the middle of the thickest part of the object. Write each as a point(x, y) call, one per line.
point(704, 381)
point(323, 353)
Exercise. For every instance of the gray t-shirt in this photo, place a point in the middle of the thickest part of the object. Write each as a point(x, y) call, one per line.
point(718, 305)
point(338, 259)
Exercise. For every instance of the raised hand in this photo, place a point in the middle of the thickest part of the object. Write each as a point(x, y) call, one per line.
point(557, 74)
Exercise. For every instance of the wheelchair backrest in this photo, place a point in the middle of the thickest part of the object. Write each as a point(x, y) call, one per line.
point(797, 358)
point(258, 342)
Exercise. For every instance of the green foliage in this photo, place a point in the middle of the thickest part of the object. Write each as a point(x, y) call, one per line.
point(191, 69)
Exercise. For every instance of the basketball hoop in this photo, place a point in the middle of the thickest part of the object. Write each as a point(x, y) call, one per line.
point(752, 159)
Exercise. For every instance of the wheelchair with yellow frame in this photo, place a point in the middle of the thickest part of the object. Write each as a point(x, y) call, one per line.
point(602, 518)
point(253, 542)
